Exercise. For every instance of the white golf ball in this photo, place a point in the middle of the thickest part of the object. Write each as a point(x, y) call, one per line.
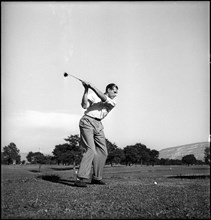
point(155, 183)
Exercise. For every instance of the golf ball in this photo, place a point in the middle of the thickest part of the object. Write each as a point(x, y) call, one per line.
point(155, 183)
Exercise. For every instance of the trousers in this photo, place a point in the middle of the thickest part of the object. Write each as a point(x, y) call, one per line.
point(92, 139)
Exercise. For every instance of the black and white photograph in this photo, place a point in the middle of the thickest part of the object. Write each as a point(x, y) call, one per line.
point(105, 109)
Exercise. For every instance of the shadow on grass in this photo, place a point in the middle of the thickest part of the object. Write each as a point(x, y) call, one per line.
point(64, 168)
point(191, 177)
point(34, 171)
point(57, 179)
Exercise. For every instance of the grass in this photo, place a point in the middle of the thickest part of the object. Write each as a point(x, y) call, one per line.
point(181, 192)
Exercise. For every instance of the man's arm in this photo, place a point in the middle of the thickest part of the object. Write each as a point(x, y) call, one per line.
point(100, 94)
point(85, 101)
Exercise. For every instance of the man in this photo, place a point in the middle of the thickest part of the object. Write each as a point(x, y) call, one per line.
point(97, 105)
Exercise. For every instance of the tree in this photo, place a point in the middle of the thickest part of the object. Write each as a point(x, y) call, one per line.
point(189, 159)
point(207, 155)
point(11, 154)
point(36, 158)
point(115, 154)
point(50, 159)
point(39, 158)
point(118, 156)
point(154, 154)
point(23, 162)
point(166, 161)
point(145, 155)
point(60, 153)
point(131, 155)
point(29, 156)
point(138, 154)
point(69, 153)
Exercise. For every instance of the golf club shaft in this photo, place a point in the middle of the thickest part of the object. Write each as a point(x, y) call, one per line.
point(75, 77)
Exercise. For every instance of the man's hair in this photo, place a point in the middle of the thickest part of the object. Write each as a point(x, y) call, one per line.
point(111, 86)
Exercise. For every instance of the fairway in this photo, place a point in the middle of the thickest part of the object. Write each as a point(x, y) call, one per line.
point(131, 192)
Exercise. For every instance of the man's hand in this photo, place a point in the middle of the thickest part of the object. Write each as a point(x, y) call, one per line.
point(100, 94)
point(86, 85)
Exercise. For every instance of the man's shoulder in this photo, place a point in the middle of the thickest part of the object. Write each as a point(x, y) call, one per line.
point(110, 101)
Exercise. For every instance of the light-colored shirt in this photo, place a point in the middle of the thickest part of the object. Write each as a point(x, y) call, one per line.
point(98, 108)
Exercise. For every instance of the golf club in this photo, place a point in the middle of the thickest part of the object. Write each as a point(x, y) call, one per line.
point(66, 74)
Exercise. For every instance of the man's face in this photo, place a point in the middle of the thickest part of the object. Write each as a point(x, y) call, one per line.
point(112, 93)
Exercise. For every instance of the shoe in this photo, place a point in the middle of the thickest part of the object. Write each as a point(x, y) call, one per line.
point(98, 182)
point(80, 183)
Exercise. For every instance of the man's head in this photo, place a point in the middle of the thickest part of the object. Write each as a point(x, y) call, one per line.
point(111, 90)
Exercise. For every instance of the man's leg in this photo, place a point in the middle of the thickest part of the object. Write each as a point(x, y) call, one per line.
point(87, 142)
point(99, 156)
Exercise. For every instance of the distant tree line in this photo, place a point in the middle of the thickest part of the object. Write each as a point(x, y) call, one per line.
point(70, 153)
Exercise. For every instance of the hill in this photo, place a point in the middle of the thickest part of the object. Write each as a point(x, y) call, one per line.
point(197, 149)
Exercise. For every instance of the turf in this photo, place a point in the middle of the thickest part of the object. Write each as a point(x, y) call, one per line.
point(130, 193)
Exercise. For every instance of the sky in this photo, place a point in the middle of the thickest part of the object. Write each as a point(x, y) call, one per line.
point(156, 52)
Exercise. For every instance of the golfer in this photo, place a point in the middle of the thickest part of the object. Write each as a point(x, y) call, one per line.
point(97, 105)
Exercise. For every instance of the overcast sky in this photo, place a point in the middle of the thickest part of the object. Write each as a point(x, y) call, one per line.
point(156, 52)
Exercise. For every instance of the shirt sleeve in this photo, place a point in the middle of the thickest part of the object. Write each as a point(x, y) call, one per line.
point(91, 98)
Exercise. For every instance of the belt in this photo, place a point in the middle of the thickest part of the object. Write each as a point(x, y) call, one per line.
point(93, 118)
